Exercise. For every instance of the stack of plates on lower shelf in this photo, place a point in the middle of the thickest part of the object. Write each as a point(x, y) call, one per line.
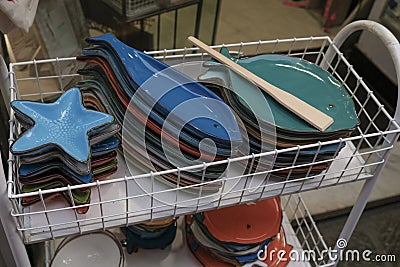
point(150, 235)
point(268, 123)
point(239, 235)
point(95, 249)
point(165, 115)
point(63, 143)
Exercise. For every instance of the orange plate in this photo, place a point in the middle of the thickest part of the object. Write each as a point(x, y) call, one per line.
point(278, 245)
point(275, 248)
point(202, 254)
point(278, 253)
point(247, 223)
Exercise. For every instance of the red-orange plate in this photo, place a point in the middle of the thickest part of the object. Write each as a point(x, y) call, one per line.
point(247, 223)
point(278, 252)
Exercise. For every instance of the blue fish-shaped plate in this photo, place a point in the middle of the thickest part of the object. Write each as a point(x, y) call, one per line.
point(186, 99)
point(299, 77)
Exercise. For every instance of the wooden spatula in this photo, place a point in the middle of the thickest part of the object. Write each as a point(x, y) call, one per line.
point(313, 116)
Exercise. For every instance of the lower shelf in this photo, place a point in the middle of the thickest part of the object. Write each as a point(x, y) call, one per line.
point(180, 255)
point(114, 204)
point(300, 230)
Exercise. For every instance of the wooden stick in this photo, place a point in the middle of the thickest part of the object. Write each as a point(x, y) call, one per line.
point(310, 114)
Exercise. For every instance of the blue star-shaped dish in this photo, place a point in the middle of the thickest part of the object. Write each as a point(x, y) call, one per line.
point(65, 124)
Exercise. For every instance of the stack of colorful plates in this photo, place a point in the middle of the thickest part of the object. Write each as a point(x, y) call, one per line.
point(151, 235)
point(268, 123)
point(166, 116)
point(239, 235)
point(63, 143)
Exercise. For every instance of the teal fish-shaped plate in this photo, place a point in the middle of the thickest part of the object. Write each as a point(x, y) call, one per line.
point(299, 77)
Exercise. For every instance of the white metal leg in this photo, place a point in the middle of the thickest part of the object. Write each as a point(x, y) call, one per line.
point(393, 46)
point(14, 252)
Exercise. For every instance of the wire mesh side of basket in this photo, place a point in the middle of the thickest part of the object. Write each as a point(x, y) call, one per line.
point(313, 248)
point(43, 80)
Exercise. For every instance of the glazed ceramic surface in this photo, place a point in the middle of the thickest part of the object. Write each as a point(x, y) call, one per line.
point(29, 173)
point(90, 250)
point(62, 144)
point(42, 156)
point(79, 196)
point(143, 110)
point(298, 77)
point(65, 124)
point(208, 255)
point(212, 244)
point(106, 146)
point(171, 88)
point(155, 122)
point(245, 224)
point(158, 239)
point(187, 142)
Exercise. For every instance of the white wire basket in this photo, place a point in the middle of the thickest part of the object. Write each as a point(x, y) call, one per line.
point(309, 247)
point(123, 199)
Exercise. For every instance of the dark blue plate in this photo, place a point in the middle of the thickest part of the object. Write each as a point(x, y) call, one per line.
point(135, 241)
point(173, 88)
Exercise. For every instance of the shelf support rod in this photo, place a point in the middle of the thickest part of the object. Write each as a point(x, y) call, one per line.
point(393, 46)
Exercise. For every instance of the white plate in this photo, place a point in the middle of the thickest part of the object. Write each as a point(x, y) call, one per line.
point(90, 250)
